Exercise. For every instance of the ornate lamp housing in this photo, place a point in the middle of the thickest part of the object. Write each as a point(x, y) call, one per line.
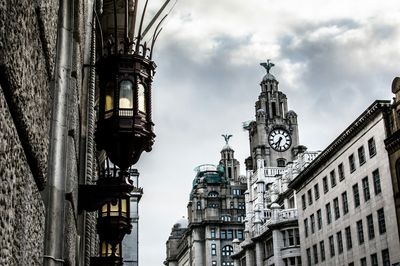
point(125, 70)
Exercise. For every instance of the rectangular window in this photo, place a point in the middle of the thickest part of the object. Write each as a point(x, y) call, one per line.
point(325, 184)
point(333, 178)
point(297, 235)
point(341, 171)
point(309, 197)
point(371, 147)
point(312, 220)
point(315, 251)
point(213, 249)
point(322, 248)
point(229, 234)
point(339, 242)
point(349, 242)
point(345, 203)
point(356, 196)
point(309, 257)
point(316, 191)
point(332, 246)
point(328, 213)
point(374, 260)
point(239, 234)
point(214, 263)
point(352, 163)
point(365, 185)
point(223, 234)
point(385, 257)
point(363, 261)
point(306, 227)
point(360, 232)
point(351, 264)
point(370, 226)
point(213, 235)
point(319, 219)
point(377, 182)
point(303, 201)
point(361, 155)
point(291, 237)
point(336, 208)
point(381, 221)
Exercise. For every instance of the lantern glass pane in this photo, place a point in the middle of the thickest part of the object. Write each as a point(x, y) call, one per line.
point(104, 210)
point(106, 249)
point(118, 250)
point(114, 208)
point(126, 94)
point(141, 98)
point(124, 210)
point(109, 101)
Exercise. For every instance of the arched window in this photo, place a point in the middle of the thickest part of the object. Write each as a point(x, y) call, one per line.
point(227, 250)
point(281, 162)
point(213, 194)
point(199, 205)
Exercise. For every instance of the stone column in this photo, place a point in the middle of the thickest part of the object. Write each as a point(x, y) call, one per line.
point(259, 254)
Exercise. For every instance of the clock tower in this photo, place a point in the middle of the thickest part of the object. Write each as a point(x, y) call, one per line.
point(274, 135)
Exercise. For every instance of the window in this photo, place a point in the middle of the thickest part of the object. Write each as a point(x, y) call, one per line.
point(269, 247)
point(385, 257)
point(213, 194)
point(291, 237)
point(374, 260)
point(361, 155)
point(339, 241)
point(198, 205)
point(328, 213)
point(303, 201)
point(336, 208)
point(223, 234)
point(371, 147)
point(319, 219)
point(351, 264)
point(309, 257)
point(333, 178)
point(213, 249)
point(377, 182)
point(227, 250)
point(349, 243)
point(341, 172)
point(345, 203)
point(363, 262)
point(236, 192)
point(309, 197)
point(241, 205)
point(322, 248)
point(281, 162)
point(213, 235)
point(325, 184)
point(239, 234)
point(332, 246)
point(360, 232)
point(316, 191)
point(352, 164)
point(232, 204)
point(365, 185)
point(315, 253)
point(214, 263)
point(227, 263)
point(312, 220)
point(356, 196)
point(297, 235)
point(306, 227)
point(229, 234)
point(381, 221)
point(370, 226)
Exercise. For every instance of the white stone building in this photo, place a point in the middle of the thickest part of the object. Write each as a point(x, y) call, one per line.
point(346, 202)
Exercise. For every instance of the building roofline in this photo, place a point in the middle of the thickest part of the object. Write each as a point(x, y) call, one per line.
point(370, 113)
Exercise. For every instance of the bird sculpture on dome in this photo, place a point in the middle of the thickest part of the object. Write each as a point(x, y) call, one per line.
point(268, 65)
point(226, 137)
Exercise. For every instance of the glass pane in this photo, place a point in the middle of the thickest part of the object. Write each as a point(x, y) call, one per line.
point(118, 250)
point(104, 210)
point(142, 99)
point(109, 102)
point(114, 208)
point(124, 209)
point(126, 94)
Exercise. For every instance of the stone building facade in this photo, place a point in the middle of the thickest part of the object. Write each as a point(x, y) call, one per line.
point(347, 211)
point(216, 211)
point(47, 121)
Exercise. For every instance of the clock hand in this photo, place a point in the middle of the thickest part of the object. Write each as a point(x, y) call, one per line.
point(279, 141)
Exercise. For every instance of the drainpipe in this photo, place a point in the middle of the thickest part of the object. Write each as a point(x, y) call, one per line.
point(54, 233)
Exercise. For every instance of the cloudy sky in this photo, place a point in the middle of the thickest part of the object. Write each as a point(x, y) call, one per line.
point(333, 59)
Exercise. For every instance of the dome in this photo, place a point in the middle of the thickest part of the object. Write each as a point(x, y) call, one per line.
point(227, 148)
point(268, 77)
point(291, 113)
point(181, 223)
point(275, 206)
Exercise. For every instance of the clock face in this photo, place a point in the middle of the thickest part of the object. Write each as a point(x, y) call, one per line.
point(280, 140)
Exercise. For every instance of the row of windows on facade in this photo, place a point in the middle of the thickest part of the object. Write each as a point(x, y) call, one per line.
point(291, 238)
point(348, 238)
point(224, 263)
point(345, 204)
point(214, 205)
point(374, 260)
point(227, 234)
point(341, 173)
point(292, 261)
point(235, 192)
point(226, 251)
